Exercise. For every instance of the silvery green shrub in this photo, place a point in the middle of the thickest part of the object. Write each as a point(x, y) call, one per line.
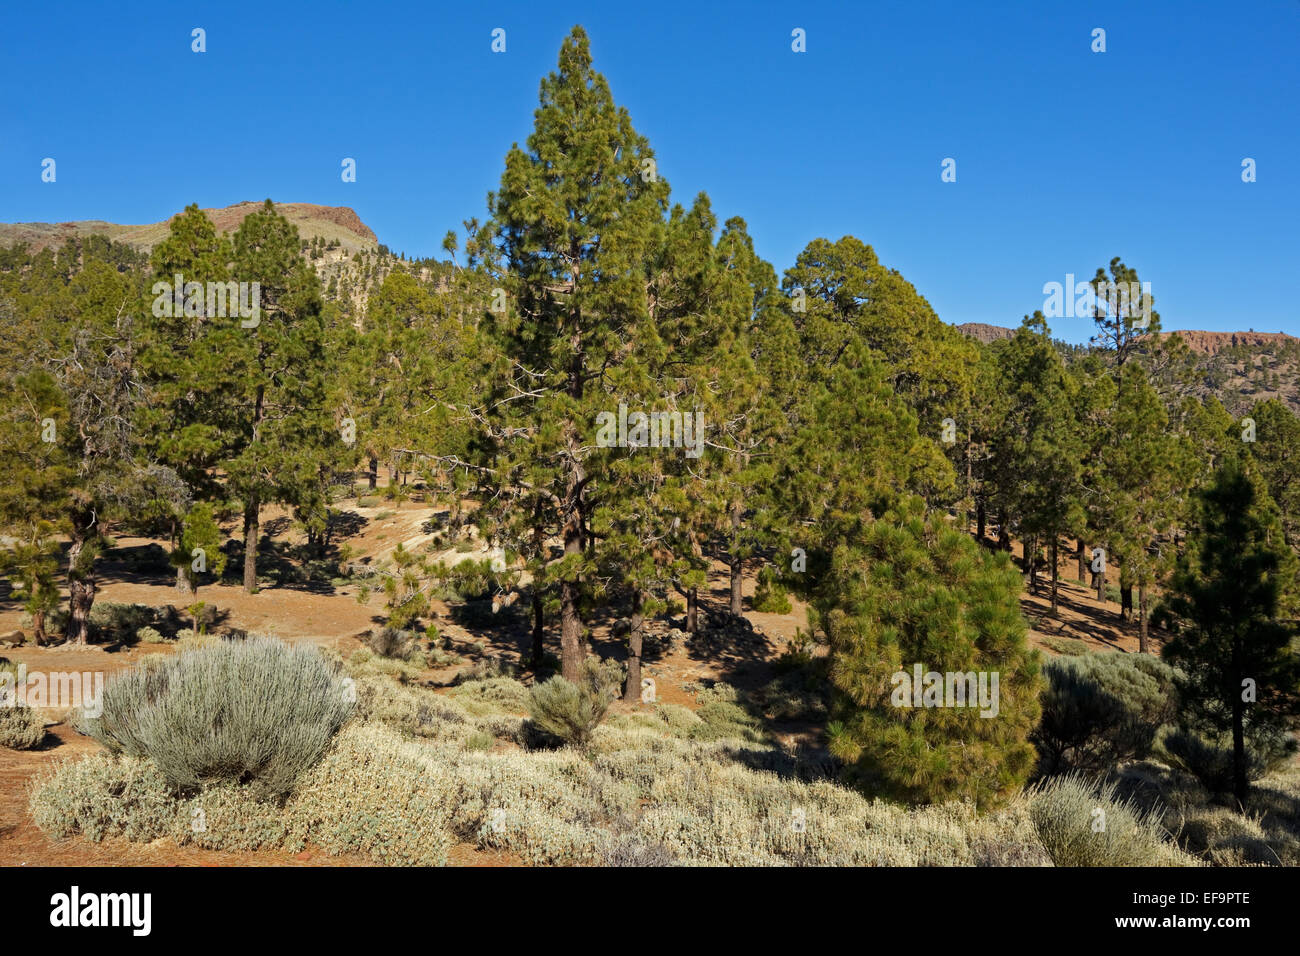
point(21, 727)
point(1082, 822)
point(569, 711)
point(1100, 709)
point(256, 712)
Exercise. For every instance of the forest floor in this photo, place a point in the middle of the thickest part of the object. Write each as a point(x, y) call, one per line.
point(330, 615)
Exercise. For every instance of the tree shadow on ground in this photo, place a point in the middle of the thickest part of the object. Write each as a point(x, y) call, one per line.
point(286, 566)
point(1091, 623)
point(147, 564)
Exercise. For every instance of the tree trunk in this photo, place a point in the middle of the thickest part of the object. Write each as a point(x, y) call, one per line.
point(1004, 537)
point(737, 563)
point(981, 519)
point(632, 692)
point(572, 650)
point(692, 611)
point(252, 518)
point(1031, 562)
point(538, 629)
point(1082, 555)
point(38, 628)
point(969, 491)
point(1055, 578)
point(183, 584)
point(1126, 601)
point(373, 478)
point(1099, 581)
point(1240, 781)
point(81, 589)
point(1142, 619)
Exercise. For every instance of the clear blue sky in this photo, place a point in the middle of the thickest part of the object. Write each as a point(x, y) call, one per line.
point(1065, 158)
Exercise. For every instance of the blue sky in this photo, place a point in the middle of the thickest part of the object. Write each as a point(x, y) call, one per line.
point(1065, 157)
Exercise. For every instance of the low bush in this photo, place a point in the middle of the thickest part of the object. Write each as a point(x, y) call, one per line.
point(486, 668)
point(492, 695)
point(21, 727)
point(1084, 823)
point(149, 635)
point(1211, 761)
point(110, 621)
point(255, 712)
point(770, 596)
point(369, 795)
point(392, 643)
point(1099, 709)
point(1066, 646)
point(364, 661)
point(414, 712)
point(722, 717)
point(102, 796)
point(570, 712)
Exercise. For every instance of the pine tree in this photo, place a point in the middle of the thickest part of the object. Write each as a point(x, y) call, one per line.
point(575, 218)
point(1143, 467)
point(1225, 604)
point(181, 420)
point(908, 593)
point(34, 495)
point(276, 425)
point(1037, 448)
point(1276, 450)
point(199, 548)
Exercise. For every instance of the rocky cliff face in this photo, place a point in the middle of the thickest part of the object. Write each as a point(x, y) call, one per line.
point(1212, 343)
point(985, 333)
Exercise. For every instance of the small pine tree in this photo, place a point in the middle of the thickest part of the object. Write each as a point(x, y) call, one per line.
point(200, 548)
point(915, 591)
point(1232, 638)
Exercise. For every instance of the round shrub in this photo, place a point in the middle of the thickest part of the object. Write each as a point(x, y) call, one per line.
point(256, 713)
point(569, 711)
point(21, 727)
point(1099, 709)
point(1082, 823)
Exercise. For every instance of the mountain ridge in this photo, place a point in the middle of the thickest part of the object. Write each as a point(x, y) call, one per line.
point(313, 220)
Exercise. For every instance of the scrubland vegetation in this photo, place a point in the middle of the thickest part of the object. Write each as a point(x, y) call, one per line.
point(413, 772)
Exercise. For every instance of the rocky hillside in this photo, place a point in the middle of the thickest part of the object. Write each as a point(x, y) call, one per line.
point(345, 252)
point(1239, 368)
point(329, 223)
point(1242, 368)
point(1212, 343)
point(985, 333)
